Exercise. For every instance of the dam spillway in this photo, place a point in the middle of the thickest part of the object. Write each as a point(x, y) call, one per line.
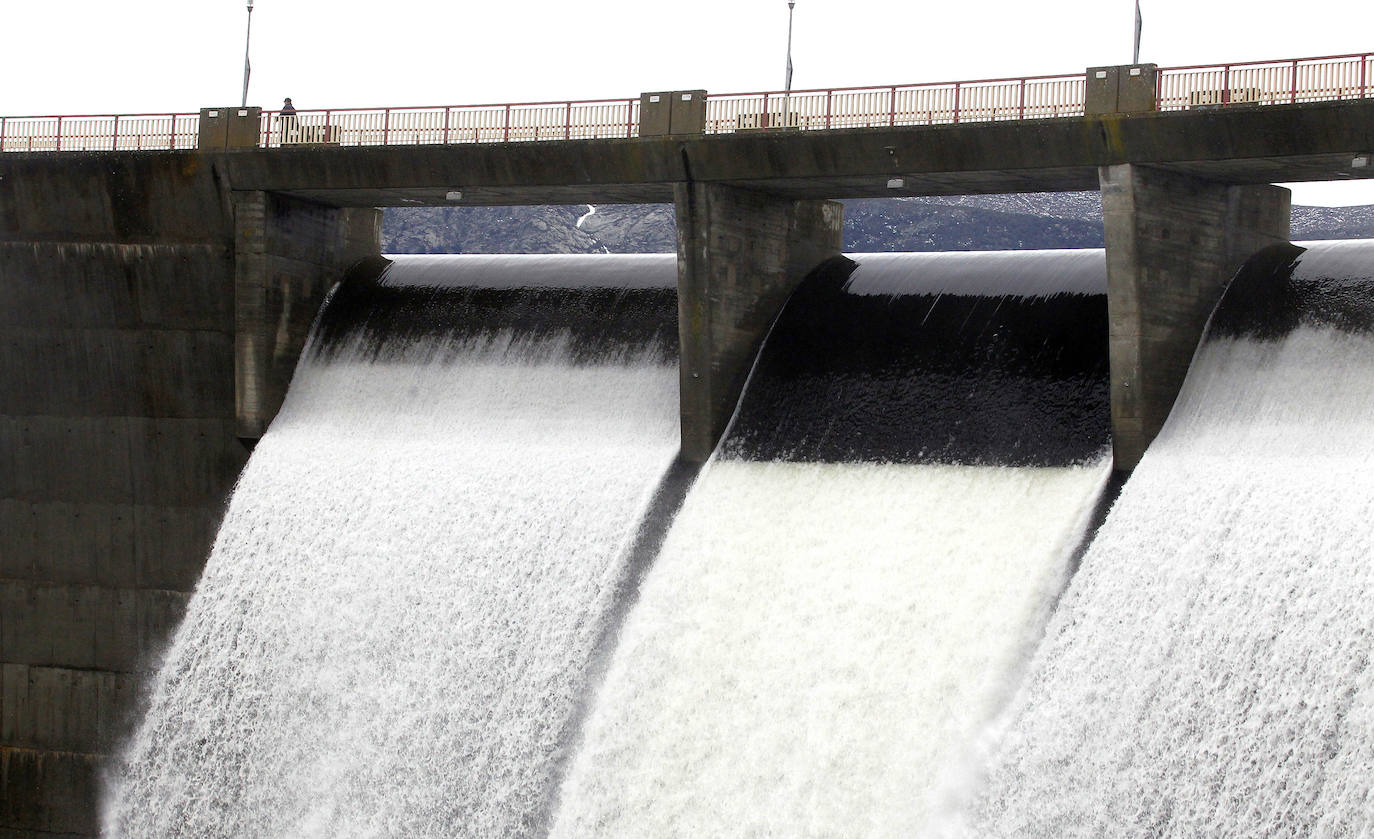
point(833, 637)
point(1207, 672)
point(855, 576)
point(412, 575)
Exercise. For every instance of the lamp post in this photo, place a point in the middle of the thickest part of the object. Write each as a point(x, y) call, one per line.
point(1135, 56)
point(787, 86)
point(247, 68)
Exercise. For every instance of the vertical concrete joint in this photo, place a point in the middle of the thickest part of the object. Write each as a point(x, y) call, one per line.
point(1173, 243)
point(740, 254)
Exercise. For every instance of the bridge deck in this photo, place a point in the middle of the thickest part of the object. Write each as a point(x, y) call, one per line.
point(1237, 146)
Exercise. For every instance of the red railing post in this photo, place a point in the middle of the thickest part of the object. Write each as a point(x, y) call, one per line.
point(1226, 84)
point(172, 141)
point(766, 120)
point(59, 134)
point(1364, 73)
point(567, 120)
point(892, 106)
point(506, 135)
point(956, 102)
point(447, 109)
point(829, 94)
point(114, 141)
point(1293, 86)
point(2, 132)
point(629, 118)
point(386, 126)
point(1021, 107)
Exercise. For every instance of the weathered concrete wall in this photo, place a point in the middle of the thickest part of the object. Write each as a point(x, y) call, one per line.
point(740, 253)
point(118, 446)
point(1173, 242)
point(287, 254)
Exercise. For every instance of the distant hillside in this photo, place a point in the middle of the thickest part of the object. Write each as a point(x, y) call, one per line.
point(976, 222)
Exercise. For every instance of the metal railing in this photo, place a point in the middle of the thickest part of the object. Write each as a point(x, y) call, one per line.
point(109, 132)
point(1288, 81)
point(525, 122)
point(1285, 82)
point(944, 103)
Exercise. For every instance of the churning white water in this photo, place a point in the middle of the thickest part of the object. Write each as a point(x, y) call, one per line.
point(1208, 672)
point(392, 633)
point(814, 643)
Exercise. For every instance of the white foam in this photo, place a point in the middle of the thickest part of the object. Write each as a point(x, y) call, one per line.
point(392, 631)
point(1208, 672)
point(813, 644)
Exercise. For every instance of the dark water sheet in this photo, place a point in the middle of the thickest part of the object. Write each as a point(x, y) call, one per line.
point(927, 376)
point(1287, 286)
point(602, 306)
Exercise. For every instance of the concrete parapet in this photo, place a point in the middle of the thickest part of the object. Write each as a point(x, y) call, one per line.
point(740, 254)
point(1173, 242)
point(287, 254)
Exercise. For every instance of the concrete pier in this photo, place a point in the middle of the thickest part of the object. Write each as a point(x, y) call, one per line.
point(287, 253)
point(1173, 242)
point(740, 254)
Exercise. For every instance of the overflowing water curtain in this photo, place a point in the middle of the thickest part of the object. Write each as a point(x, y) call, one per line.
point(1208, 673)
point(855, 576)
point(393, 630)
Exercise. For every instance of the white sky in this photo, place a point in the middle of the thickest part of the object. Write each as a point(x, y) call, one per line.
point(130, 56)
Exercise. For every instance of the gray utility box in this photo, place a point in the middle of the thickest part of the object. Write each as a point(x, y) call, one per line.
point(1126, 89)
point(672, 112)
point(229, 128)
point(655, 113)
point(689, 112)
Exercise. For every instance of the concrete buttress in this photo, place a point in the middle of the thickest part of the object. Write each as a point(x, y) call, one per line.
point(740, 254)
point(1173, 242)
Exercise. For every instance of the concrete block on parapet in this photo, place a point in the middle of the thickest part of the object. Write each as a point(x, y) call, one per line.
point(688, 112)
point(229, 129)
point(655, 113)
point(1120, 89)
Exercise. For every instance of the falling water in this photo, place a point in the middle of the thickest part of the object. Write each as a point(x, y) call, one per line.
point(1208, 672)
point(393, 630)
point(862, 565)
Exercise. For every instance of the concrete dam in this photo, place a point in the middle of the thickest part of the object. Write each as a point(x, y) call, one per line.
point(467, 586)
point(763, 539)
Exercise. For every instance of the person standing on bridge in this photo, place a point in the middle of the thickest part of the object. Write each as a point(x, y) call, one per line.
point(287, 118)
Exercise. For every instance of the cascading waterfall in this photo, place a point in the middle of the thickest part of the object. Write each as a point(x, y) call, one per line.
point(393, 631)
point(1208, 671)
point(859, 569)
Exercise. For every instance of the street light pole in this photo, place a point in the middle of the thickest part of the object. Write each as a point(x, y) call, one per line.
point(247, 68)
point(787, 88)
